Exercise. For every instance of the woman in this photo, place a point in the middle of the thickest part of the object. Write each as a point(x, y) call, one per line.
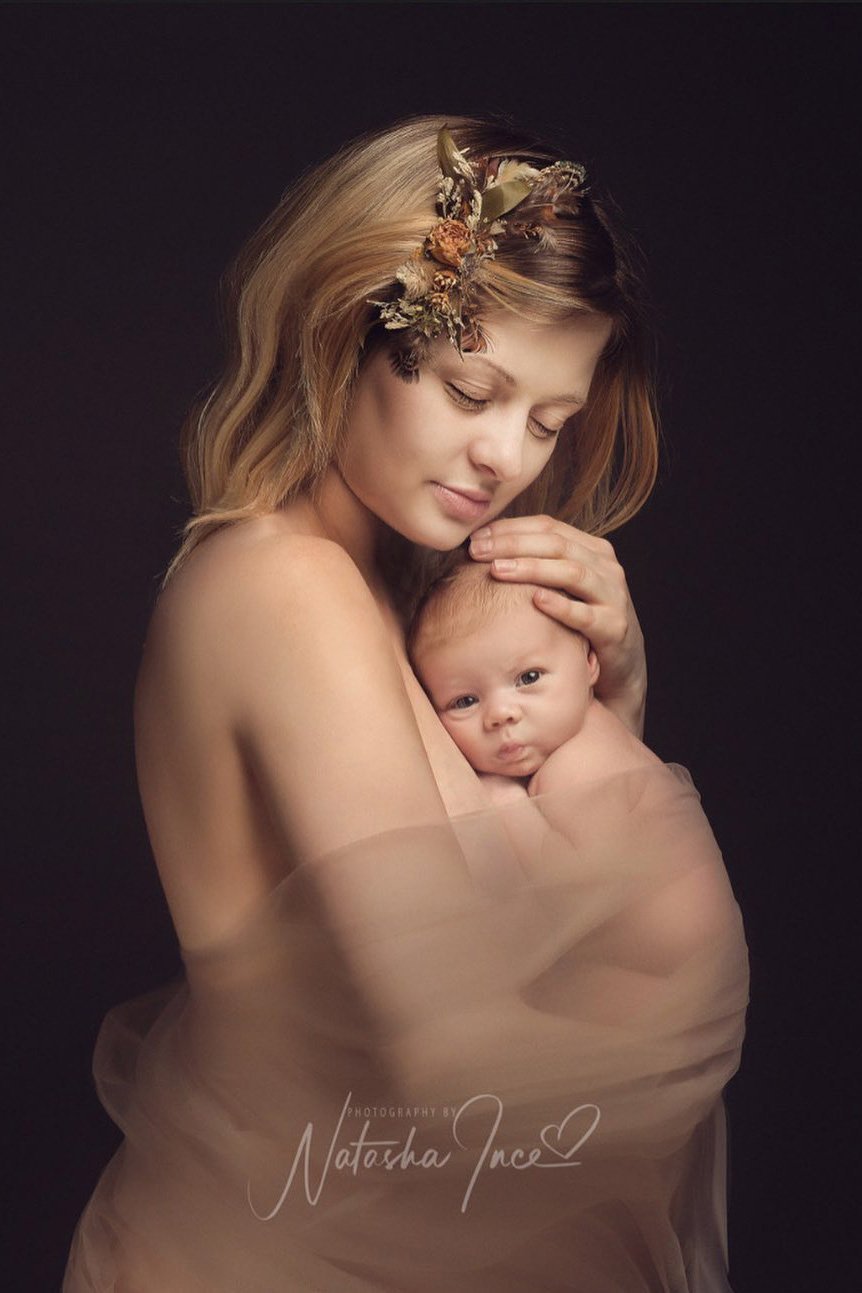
point(529, 1020)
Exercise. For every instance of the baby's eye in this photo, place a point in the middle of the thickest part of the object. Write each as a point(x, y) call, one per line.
point(463, 702)
point(528, 676)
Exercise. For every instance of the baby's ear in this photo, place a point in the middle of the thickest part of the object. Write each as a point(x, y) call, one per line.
point(592, 663)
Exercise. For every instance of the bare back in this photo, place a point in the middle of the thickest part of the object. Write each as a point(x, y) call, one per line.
point(210, 676)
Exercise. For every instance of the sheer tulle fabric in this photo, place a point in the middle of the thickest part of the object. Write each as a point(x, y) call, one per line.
point(579, 1007)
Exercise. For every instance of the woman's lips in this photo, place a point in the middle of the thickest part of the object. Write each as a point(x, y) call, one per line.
point(459, 505)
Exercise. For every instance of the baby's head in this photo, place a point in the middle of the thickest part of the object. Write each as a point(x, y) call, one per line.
point(509, 683)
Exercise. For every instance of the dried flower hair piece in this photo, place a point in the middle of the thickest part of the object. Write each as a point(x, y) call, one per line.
point(437, 281)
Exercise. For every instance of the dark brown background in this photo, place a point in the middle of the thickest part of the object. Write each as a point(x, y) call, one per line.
point(143, 143)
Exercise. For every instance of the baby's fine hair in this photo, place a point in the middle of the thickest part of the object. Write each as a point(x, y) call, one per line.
point(457, 603)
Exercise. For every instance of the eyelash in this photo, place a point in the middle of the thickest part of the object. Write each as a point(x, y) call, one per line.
point(468, 402)
point(537, 672)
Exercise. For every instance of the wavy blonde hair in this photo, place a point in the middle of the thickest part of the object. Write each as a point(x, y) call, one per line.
point(298, 325)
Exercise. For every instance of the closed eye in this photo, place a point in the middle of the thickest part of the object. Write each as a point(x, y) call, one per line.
point(467, 401)
point(470, 402)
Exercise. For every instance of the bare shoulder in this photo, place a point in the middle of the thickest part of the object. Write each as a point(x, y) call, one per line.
point(250, 583)
point(603, 747)
point(248, 561)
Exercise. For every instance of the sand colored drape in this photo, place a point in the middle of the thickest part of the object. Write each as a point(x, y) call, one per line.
point(580, 1006)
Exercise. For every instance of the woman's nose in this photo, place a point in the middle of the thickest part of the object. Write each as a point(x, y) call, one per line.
point(499, 447)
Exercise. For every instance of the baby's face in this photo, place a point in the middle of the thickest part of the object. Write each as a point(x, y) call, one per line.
point(513, 690)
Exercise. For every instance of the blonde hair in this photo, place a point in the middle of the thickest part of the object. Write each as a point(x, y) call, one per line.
point(460, 601)
point(297, 325)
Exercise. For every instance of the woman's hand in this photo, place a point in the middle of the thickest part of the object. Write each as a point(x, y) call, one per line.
point(541, 550)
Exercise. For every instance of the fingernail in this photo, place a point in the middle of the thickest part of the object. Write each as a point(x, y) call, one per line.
point(480, 545)
point(483, 533)
point(504, 564)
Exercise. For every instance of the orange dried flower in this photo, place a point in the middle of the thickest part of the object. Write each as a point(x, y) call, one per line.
point(449, 241)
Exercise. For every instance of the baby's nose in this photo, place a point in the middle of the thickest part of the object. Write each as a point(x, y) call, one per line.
point(502, 711)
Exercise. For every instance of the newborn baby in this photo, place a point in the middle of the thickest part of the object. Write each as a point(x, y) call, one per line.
point(514, 687)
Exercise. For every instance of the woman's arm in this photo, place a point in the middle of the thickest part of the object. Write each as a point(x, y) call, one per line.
point(565, 560)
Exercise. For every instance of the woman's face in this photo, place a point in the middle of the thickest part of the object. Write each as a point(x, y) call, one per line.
point(439, 457)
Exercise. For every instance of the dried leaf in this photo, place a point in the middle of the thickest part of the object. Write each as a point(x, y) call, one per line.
point(500, 198)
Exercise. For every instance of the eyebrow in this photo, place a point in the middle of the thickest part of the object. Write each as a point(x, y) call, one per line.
point(510, 381)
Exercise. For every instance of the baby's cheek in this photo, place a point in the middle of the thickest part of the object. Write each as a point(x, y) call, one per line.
point(533, 764)
point(455, 729)
point(569, 720)
point(461, 734)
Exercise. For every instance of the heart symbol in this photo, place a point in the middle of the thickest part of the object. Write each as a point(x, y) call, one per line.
point(558, 1128)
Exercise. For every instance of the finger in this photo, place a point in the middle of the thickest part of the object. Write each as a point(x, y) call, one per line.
point(570, 576)
point(532, 544)
point(572, 614)
point(604, 626)
point(542, 524)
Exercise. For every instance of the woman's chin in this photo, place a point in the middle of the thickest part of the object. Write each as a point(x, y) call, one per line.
point(447, 547)
point(434, 539)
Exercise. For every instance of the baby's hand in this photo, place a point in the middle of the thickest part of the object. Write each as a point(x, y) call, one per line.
point(502, 790)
